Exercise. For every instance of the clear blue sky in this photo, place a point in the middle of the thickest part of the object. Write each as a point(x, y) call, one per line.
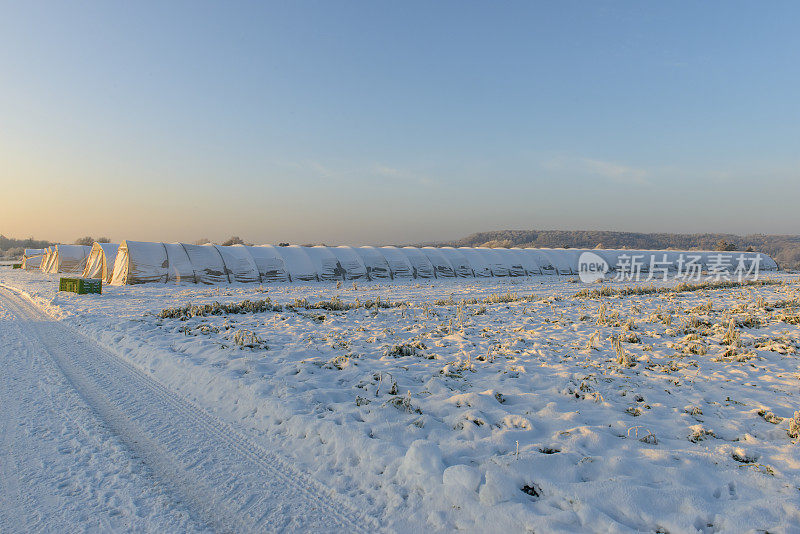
point(378, 122)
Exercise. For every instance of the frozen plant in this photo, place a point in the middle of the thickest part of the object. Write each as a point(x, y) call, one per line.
point(594, 337)
point(413, 348)
point(601, 314)
point(403, 403)
point(246, 338)
point(770, 417)
point(731, 337)
point(794, 425)
point(630, 337)
point(650, 439)
point(623, 358)
point(300, 303)
point(338, 362)
point(700, 434)
point(502, 298)
point(216, 308)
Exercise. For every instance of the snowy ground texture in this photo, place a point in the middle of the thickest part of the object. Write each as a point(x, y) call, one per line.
point(483, 405)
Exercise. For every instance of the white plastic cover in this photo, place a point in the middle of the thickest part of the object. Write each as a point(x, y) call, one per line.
point(442, 267)
point(729, 261)
point(325, 263)
point(461, 266)
point(528, 261)
point(657, 260)
point(69, 259)
point(121, 266)
point(51, 259)
point(477, 261)
point(207, 263)
point(179, 267)
point(610, 256)
point(543, 259)
point(34, 251)
point(559, 260)
point(269, 263)
point(376, 265)
point(621, 259)
point(398, 263)
point(765, 263)
point(100, 263)
point(642, 259)
point(511, 260)
point(626, 257)
point(298, 264)
point(45, 259)
point(497, 262)
point(139, 262)
point(690, 255)
point(351, 262)
point(109, 256)
point(673, 256)
point(716, 261)
point(32, 263)
point(573, 255)
point(422, 266)
point(239, 264)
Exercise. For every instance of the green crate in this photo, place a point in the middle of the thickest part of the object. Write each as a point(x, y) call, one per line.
point(16, 266)
point(81, 286)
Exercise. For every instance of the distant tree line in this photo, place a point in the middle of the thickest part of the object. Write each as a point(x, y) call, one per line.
point(785, 249)
point(14, 248)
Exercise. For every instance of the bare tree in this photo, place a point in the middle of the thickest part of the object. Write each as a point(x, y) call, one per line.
point(202, 241)
point(87, 241)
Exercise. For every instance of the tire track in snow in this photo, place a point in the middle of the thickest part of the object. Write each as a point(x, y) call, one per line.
point(228, 480)
point(13, 510)
point(61, 468)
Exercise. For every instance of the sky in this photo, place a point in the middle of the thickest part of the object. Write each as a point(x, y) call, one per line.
point(382, 122)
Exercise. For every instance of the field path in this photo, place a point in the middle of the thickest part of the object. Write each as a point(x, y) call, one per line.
point(92, 413)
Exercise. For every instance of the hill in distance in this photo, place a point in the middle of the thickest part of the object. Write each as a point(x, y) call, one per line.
point(785, 249)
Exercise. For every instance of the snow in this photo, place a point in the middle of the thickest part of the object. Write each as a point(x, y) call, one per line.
point(490, 404)
point(61, 470)
point(219, 477)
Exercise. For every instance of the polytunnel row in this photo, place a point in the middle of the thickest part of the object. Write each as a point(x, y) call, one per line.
point(57, 259)
point(140, 262)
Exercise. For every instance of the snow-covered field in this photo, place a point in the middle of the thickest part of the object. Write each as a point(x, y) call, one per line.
point(489, 405)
